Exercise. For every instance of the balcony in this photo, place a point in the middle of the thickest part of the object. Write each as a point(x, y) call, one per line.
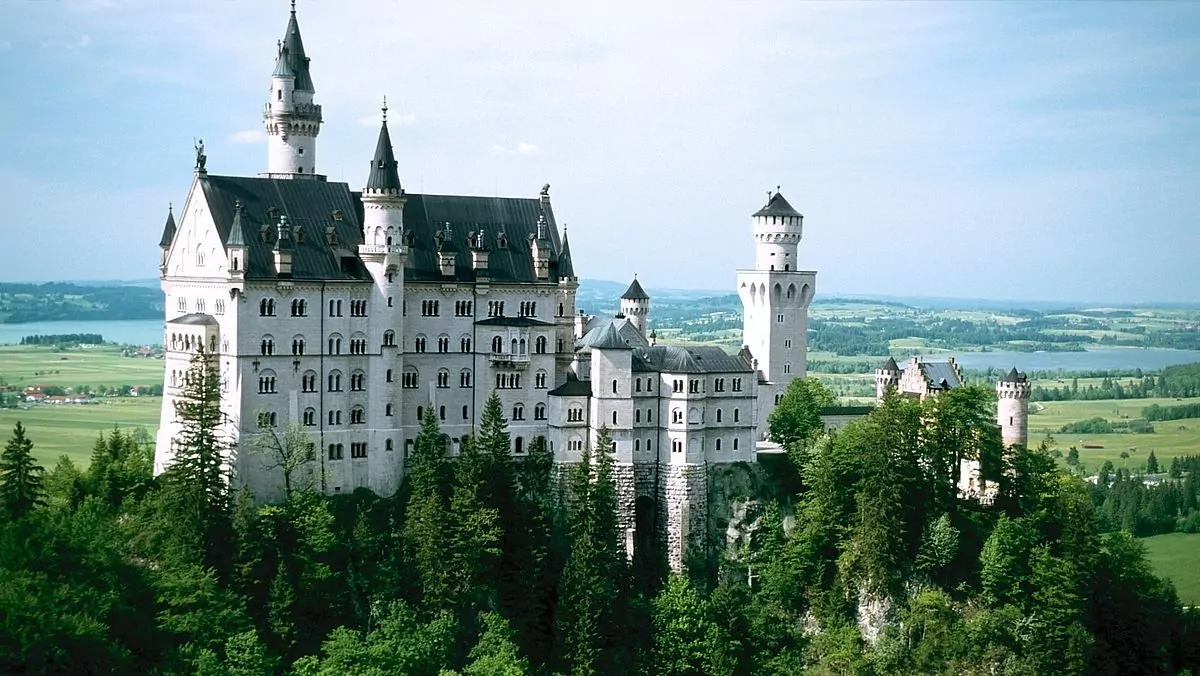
point(509, 360)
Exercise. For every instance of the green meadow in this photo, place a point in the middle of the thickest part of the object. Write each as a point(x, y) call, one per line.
point(22, 365)
point(71, 429)
point(1176, 556)
point(1170, 437)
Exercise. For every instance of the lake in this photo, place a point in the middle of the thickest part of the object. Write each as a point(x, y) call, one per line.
point(136, 332)
point(1147, 359)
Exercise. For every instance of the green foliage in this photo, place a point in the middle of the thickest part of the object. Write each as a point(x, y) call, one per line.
point(687, 639)
point(797, 419)
point(496, 652)
point(21, 480)
point(400, 643)
point(428, 519)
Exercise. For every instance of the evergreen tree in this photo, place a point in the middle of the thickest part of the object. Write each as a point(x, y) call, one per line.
point(198, 476)
point(687, 640)
point(476, 534)
point(427, 525)
point(21, 489)
point(496, 652)
point(594, 571)
point(1151, 464)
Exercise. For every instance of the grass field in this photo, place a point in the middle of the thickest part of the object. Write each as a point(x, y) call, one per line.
point(30, 365)
point(72, 429)
point(1176, 556)
point(1170, 438)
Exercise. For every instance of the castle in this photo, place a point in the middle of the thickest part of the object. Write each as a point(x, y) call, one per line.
point(354, 312)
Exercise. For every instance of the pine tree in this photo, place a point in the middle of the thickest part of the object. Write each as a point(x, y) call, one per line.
point(594, 573)
point(1151, 464)
point(476, 535)
point(198, 477)
point(21, 489)
point(427, 524)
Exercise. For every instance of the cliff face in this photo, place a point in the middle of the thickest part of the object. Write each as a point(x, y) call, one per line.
point(738, 495)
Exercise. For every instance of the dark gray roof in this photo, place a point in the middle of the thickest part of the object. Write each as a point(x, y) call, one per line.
point(635, 292)
point(777, 206)
point(282, 68)
point(675, 359)
point(515, 217)
point(940, 374)
point(195, 319)
point(890, 365)
point(168, 229)
point(383, 174)
point(1013, 377)
point(566, 269)
point(574, 387)
point(237, 232)
point(297, 61)
point(313, 209)
point(605, 338)
point(512, 321)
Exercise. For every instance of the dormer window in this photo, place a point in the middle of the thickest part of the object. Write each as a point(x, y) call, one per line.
point(502, 241)
point(331, 237)
point(338, 215)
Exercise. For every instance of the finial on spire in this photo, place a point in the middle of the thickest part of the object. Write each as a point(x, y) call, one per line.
point(385, 107)
point(293, 6)
point(170, 207)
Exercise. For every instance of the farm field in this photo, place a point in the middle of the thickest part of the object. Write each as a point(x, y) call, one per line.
point(1170, 438)
point(72, 429)
point(1176, 556)
point(34, 365)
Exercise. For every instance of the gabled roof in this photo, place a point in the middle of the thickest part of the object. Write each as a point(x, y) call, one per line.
point(635, 292)
point(574, 387)
point(777, 206)
point(297, 61)
point(194, 319)
point(383, 174)
point(605, 338)
point(168, 229)
point(940, 374)
point(675, 359)
point(313, 209)
point(890, 365)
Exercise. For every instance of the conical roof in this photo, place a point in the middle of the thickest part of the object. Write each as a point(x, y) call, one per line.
point(635, 292)
point(168, 229)
point(566, 269)
point(383, 174)
point(282, 67)
point(890, 365)
point(297, 61)
point(1013, 376)
point(237, 236)
point(777, 206)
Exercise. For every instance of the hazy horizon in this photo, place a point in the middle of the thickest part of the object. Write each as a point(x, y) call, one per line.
point(1045, 152)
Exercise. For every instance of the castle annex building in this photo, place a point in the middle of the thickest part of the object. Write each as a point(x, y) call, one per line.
point(353, 311)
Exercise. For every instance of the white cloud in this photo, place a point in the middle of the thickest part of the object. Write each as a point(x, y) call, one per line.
point(524, 148)
point(247, 136)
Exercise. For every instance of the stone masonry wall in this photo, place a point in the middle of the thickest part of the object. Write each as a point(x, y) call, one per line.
point(685, 497)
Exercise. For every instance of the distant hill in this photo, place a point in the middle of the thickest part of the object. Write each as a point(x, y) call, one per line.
point(57, 301)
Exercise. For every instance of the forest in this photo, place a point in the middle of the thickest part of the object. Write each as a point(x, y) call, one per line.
point(865, 561)
point(58, 301)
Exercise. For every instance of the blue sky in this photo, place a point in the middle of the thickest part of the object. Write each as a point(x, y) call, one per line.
point(1001, 150)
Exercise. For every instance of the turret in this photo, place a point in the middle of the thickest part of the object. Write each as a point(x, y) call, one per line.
point(887, 376)
point(235, 245)
point(540, 248)
point(635, 305)
point(383, 197)
point(778, 229)
point(1012, 408)
point(292, 119)
point(168, 236)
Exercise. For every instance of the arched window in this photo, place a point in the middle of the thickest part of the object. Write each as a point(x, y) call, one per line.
point(539, 380)
point(522, 352)
point(335, 344)
point(539, 412)
point(539, 345)
point(737, 415)
point(267, 346)
point(308, 382)
point(637, 416)
point(466, 412)
point(464, 378)
point(410, 378)
point(443, 378)
point(519, 445)
point(298, 346)
point(389, 445)
point(614, 417)
point(420, 413)
point(514, 346)
point(419, 344)
point(518, 412)
point(388, 410)
point(497, 345)
point(441, 412)
point(310, 417)
point(464, 344)
point(358, 381)
point(718, 415)
point(735, 443)
point(676, 416)
point(614, 385)
point(334, 381)
point(718, 444)
point(443, 343)
point(389, 338)
point(358, 415)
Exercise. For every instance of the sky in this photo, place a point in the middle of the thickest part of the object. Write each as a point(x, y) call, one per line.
point(1017, 150)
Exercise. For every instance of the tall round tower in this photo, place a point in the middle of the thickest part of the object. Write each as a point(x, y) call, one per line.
point(635, 305)
point(291, 118)
point(1012, 408)
point(886, 376)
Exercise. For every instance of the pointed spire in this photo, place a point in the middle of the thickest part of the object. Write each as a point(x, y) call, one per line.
point(777, 206)
point(890, 365)
point(168, 228)
point(237, 235)
point(635, 291)
point(566, 269)
point(293, 49)
point(383, 174)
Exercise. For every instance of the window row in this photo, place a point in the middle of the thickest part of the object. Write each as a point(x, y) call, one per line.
point(518, 346)
point(188, 343)
point(358, 449)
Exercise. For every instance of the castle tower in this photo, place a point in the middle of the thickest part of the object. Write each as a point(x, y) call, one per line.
point(1012, 408)
point(168, 237)
point(383, 254)
point(291, 118)
point(775, 297)
point(635, 305)
point(885, 377)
